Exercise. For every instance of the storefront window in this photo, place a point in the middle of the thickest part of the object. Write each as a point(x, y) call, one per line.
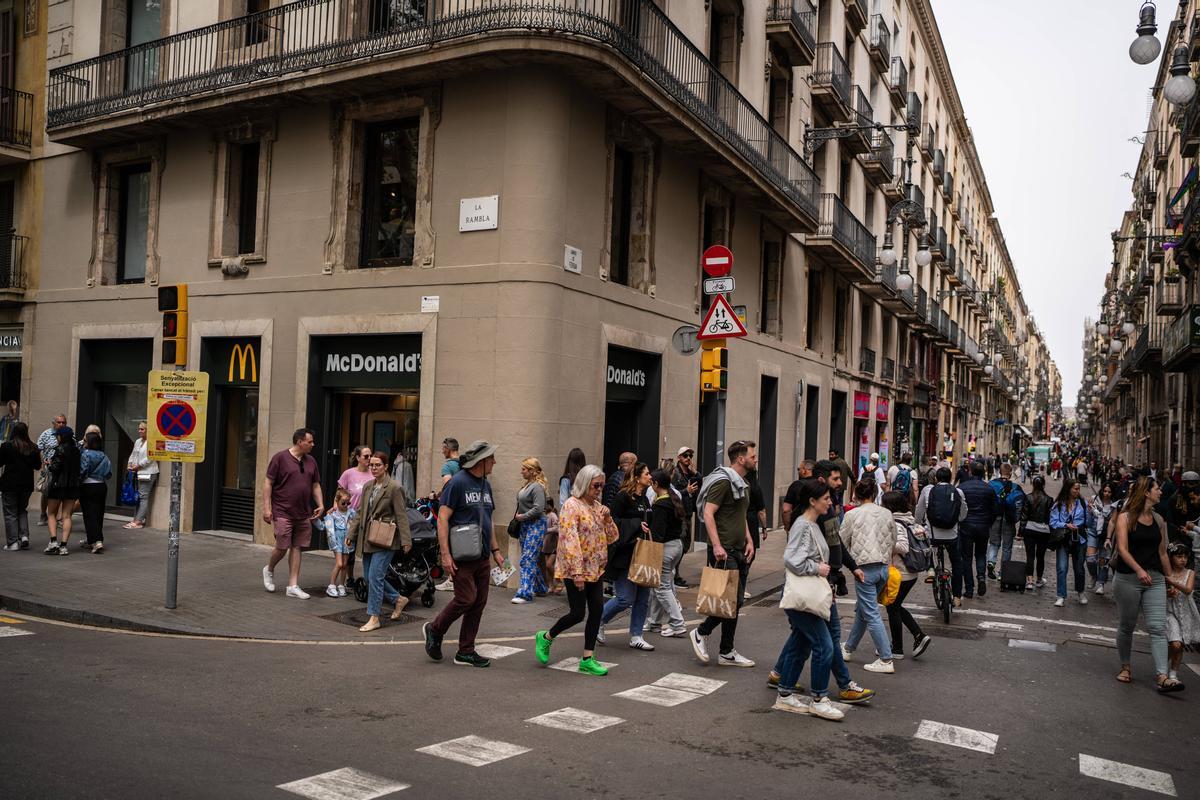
point(390, 193)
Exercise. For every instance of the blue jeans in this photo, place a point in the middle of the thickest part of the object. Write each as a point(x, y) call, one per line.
point(627, 594)
point(866, 610)
point(378, 589)
point(797, 649)
point(972, 546)
point(1074, 551)
point(1000, 541)
point(811, 632)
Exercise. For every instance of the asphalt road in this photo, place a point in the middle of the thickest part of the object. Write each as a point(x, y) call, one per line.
point(101, 714)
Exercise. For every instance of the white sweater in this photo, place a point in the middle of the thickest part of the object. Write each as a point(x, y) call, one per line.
point(139, 459)
point(869, 533)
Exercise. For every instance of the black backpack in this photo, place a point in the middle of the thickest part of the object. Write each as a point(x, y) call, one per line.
point(944, 506)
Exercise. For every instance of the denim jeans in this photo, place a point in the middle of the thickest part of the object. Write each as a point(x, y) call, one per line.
point(797, 649)
point(1074, 551)
point(1131, 597)
point(378, 589)
point(145, 489)
point(1000, 541)
point(972, 546)
point(16, 518)
point(663, 603)
point(812, 631)
point(627, 594)
point(866, 610)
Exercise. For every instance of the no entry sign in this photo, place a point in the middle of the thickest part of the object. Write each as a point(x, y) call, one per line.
point(717, 261)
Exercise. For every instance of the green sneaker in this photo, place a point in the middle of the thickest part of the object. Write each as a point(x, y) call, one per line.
point(591, 666)
point(541, 646)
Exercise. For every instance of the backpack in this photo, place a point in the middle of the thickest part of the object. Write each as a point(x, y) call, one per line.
point(903, 482)
point(944, 506)
point(919, 557)
point(1008, 504)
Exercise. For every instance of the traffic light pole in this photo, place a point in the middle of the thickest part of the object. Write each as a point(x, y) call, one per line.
point(173, 531)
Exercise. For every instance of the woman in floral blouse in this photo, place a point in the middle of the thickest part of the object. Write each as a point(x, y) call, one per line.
point(585, 530)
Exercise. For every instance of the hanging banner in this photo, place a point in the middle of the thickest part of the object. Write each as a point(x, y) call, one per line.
point(862, 405)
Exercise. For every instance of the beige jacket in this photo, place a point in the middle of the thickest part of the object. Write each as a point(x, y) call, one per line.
point(869, 533)
point(388, 506)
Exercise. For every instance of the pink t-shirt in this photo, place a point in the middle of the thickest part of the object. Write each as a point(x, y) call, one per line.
point(352, 480)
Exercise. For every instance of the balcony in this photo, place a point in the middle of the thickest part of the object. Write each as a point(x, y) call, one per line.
point(884, 290)
point(859, 142)
point(866, 361)
point(948, 265)
point(12, 273)
point(948, 189)
point(1168, 297)
point(928, 143)
point(905, 375)
point(791, 26)
point(856, 15)
point(893, 188)
point(831, 82)
point(939, 165)
point(914, 110)
point(898, 83)
point(1159, 148)
point(629, 53)
point(917, 195)
point(1154, 250)
point(879, 42)
point(889, 370)
point(844, 241)
point(922, 304)
point(1148, 348)
point(1181, 341)
point(937, 240)
point(1189, 128)
point(16, 125)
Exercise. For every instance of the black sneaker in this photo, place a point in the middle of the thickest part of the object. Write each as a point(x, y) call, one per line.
point(471, 660)
point(681, 583)
point(921, 645)
point(969, 593)
point(982, 588)
point(433, 642)
point(991, 571)
point(24, 542)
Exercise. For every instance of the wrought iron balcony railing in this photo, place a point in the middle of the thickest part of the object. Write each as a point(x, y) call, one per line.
point(898, 78)
point(862, 107)
point(879, 41)
point(889, 370)
point(866, 361)
point(830, 71)
point(16, 117)
point(839, 223)
point(799, 14)
point(311, 34)
point(12, 251)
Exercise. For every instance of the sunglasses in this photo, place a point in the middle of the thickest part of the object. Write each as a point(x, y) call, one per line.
point(598, 485)
point(687, 455)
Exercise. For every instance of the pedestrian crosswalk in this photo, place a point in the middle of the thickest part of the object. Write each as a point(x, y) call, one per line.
point(1127, 774)
point(672, 690)
point(8, 630)
point(572, 665)
point(343, 784)
point(474, 750)
point(575, 720)
point(496, 651)
point(956, 736)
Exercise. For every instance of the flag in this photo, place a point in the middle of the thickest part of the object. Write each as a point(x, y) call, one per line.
point(1189, 181)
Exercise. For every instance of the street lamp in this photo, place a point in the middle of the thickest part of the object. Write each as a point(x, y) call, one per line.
point(1145, 47)
point(1115, 346)
point(1127, 327)
point(924, 257)
point(1102, 328)
point(1181, 86)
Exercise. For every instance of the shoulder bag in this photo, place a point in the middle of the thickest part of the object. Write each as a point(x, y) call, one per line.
point(467, 541)
point(811, 594)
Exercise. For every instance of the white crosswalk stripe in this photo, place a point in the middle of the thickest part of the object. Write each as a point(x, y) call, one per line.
point(1026, 644)
point(343, 784)
point(8, 630)
point(953, 735)
point(575, 720)
point(1001, 626)
point(1127, 774)
point(1095, 637)
point(689, 683)
point(572, 665)
point(658, 695)
point(1194, 668)
point(495, 651)
point(474, 750)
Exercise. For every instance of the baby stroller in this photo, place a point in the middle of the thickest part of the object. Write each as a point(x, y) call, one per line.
point(417, 570)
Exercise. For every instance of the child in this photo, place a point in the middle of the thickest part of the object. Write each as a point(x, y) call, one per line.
point(1183, 620)
point(337, 528)
point(550, 548)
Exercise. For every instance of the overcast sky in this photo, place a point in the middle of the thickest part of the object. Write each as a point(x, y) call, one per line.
point(1053, 99)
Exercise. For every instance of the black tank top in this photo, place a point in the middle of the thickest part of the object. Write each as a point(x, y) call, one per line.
point(1143, 546)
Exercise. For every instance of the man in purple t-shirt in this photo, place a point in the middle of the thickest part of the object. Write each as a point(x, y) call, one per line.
point(290, 490)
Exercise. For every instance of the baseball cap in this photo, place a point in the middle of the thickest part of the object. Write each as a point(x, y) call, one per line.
point(874, 456)
point(683, 450)
point(1190, 477)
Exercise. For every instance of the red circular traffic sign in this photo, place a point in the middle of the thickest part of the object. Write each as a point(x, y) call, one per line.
point(176, 420)
point(717, 261)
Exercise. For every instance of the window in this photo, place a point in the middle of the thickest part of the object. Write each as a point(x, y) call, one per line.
point(389, 15)
point(841, 307)
point(390, 193)
point(770, 288)
point(724, 37)
point(715, 223)
point(627, 258)
point(133, 223)
point(241, 192)
point(813, 320)
point(246, 167)
point(621, 211)
point(257, 29)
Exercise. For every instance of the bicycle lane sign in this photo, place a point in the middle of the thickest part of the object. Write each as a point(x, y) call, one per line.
point(721, 322)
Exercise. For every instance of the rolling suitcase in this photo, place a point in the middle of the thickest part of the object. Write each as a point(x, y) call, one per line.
point(1012, 576)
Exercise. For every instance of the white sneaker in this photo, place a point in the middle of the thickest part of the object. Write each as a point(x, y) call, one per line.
point(846, 652)
point(297, 592)
point(13, 546)
point(1058, 602)
point(879, 665)
point(793, 703)
point(1040, 583)
point(825, 709)
point(669, 632)
point(519, 601)
point(341, 590)
point(1098, 588)
point(600, 636)
point(638, 643)
point(733, 659)
point(268, 580)
point(699, 646)
point(331, 590)
point(1083, 598)
point(746, 595)
point(445, 586)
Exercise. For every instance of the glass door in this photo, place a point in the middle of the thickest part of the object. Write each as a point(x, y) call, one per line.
point(238, 409)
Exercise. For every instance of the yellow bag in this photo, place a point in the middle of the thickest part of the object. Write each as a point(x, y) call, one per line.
point(888, 595)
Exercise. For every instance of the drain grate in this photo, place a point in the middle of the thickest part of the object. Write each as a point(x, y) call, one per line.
point(951, 632)
point(358, 617)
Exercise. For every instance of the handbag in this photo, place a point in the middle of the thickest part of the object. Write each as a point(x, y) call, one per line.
point(1057, 537)
point(645, 567)
point(718, 595)
point(811, 594)
point(1037, 527)
point(514, 528)
point(381, 533)
point(892, 589)
point(129, 490)
point(466, 542)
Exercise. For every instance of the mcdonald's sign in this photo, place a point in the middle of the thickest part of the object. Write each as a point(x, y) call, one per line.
point(241, 356)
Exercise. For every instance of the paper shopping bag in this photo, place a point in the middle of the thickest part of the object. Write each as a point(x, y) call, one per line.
point(645, 568)
point(718, 593)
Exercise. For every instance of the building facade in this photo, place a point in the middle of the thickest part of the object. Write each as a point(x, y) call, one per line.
point(404, 220)
point(1141, 387)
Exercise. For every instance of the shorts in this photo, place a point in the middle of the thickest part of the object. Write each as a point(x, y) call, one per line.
point(63, 493)
point(1094, 539)
point(291, 533)
point(337, 542)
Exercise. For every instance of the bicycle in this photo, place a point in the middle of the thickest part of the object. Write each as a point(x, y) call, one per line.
point(941, 583)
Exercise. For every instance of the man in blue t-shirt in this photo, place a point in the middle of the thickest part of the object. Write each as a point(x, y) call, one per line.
point(451, 465)
point(466, 500)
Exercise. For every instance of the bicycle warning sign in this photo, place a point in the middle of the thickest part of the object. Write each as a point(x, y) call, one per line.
point(721, 322)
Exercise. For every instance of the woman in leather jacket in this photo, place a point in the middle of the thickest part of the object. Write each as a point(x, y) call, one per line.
point(1034, 530)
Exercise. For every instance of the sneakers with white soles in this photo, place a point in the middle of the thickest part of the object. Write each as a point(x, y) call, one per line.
point(699, 646)
point(1083, 598)
point(600, 637)
point(734, 659)
point(879, 665)
point(1098, 588)
point(1059, 601)
point(268, 579)
point(445, 586)
point(638, 643)
point(297, 592)
point(847, 653)
point(795, 704)
point(341, 589)
point(825, 709)
point(331, 590)
point(669, 632)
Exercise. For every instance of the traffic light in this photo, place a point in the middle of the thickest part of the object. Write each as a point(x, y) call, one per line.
point(173, 303)
point(714, 363)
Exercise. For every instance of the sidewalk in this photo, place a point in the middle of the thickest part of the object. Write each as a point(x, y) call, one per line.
point(220, 591)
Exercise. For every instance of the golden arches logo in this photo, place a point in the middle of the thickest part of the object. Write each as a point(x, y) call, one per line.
point(243, 354)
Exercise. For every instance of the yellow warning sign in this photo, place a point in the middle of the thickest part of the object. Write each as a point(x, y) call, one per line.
point(175, 415)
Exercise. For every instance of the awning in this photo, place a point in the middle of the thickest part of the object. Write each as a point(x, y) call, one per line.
point(1023, 431)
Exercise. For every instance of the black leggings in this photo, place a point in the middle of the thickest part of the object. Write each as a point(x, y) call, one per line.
point(1035, 548)
point(898, 614)
point(589, 598)
point(91, 504)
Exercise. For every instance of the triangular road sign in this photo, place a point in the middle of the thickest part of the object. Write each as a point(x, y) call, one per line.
point(721, 322)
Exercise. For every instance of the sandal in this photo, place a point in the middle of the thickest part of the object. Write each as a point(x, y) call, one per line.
point(1168, 685)
point(1125, 675)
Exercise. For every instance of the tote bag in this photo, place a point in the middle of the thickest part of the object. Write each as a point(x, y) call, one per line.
point(718, 593)
point(811, 594)
point(645, 568)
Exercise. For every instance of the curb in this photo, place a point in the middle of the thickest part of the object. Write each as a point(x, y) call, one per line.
point(92, 619)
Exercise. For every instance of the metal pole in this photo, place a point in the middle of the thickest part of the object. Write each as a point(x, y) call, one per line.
point(173, 533)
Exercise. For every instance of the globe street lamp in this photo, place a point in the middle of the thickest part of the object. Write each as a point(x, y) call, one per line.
point(1102, 328)
point(1127, 327)
point(1181, 86)
point(1145, 47)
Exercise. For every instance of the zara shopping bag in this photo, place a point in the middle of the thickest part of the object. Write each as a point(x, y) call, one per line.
point(645, 568)
point(718, 593)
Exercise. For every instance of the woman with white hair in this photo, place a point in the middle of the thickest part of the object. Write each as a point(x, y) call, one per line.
point(585, 530)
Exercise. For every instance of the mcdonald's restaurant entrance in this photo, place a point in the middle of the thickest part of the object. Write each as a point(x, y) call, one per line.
point(225, 479)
